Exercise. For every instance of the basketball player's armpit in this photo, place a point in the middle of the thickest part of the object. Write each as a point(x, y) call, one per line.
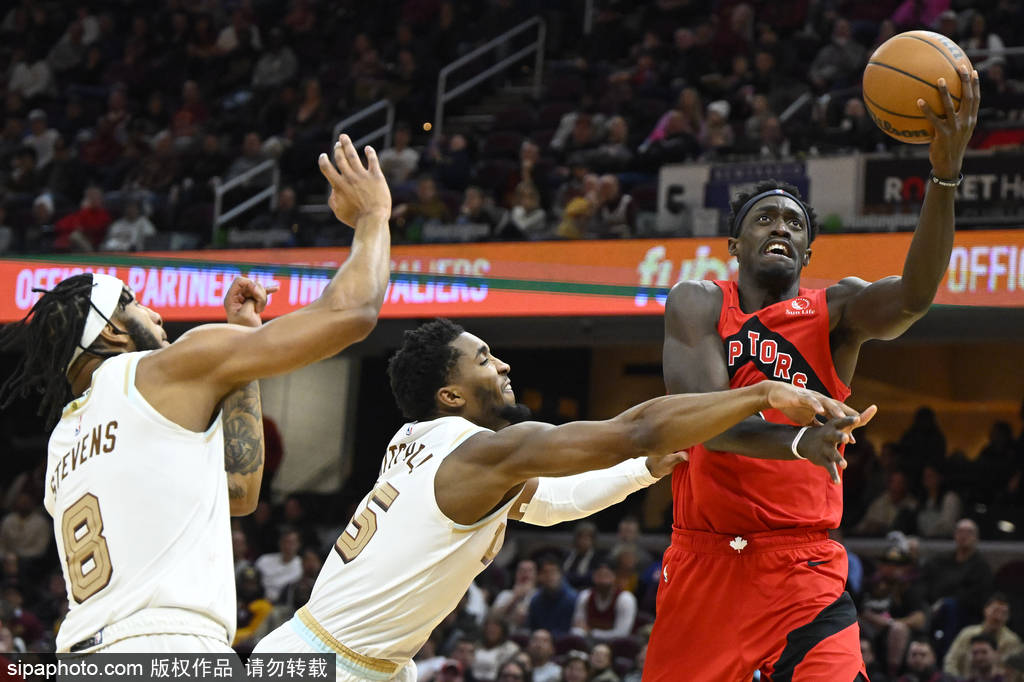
point(243, 446)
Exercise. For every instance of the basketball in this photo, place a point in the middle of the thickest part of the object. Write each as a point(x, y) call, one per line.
point(906, 68)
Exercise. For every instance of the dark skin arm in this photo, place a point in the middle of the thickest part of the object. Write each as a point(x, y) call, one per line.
point(861, 311)
point(500, 462)
point(241, 409)
point(694, 362)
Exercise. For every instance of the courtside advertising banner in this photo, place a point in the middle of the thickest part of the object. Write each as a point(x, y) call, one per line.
point(627, 277)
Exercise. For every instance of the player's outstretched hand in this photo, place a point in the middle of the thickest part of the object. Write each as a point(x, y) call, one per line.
point(662, 465)
point(245, 300)
point(953, 129)
point(820, 444)
point(356, 191)
point(802, 405)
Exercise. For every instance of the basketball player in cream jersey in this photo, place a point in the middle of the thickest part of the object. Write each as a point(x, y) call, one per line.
point(136, 483)
point(453, 476)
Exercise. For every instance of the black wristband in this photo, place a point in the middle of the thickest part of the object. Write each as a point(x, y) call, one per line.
point(944, 182)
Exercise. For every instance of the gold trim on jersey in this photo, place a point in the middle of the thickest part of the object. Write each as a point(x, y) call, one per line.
point(375, 664)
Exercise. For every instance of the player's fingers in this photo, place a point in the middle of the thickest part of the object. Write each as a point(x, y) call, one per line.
point(272, 288)
point(349, 157)
point(372, 163)
point(833, 472)
point(836, 409)
point(976, 94)
point(329, 171)
point(929, 113)
point(867, 415)
point(949, 108)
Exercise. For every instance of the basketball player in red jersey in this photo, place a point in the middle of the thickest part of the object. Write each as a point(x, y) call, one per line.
point(751, 581)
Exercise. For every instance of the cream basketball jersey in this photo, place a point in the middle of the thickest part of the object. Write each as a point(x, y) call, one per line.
point(140, 510)
point(401, 565)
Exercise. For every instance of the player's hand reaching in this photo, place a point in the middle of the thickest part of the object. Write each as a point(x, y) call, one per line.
point(802, 405)
point(662, 465)
point(356, 191)
point(820, 444)
point(245, 300)
point(953, 129)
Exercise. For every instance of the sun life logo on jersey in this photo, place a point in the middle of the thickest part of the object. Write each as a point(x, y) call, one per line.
point(800, 306)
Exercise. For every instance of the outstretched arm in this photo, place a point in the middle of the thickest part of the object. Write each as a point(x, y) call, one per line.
point(887, 308)
point(224, 357)
point(694, 362)
point(499, 462)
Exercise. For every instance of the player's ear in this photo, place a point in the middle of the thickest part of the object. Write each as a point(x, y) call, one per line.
point(733, 241)
point(113, 338)
point(807, 257)
point(450, 397)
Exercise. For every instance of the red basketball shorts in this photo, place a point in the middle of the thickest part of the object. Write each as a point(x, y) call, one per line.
point(773, 602)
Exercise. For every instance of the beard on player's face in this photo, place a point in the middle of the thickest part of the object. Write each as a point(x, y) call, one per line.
point(143, 338)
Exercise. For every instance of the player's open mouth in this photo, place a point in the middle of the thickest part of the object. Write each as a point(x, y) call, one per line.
point(507, 387)
point(778, 247)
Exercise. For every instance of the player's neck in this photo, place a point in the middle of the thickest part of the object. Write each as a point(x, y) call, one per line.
point(80, 375)
point(755, 295)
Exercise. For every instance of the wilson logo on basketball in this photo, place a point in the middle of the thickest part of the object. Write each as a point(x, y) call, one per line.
point(800, 306)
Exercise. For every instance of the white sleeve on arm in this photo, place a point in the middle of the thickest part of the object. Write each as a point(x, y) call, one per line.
point(574, 497)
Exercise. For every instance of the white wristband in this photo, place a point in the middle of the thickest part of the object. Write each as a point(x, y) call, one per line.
point(796, 441)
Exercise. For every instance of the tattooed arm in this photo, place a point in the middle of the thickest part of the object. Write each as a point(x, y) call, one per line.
point(243, 448)
point(242, 411)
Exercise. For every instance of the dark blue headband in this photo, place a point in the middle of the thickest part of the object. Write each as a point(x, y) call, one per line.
point(745, 209)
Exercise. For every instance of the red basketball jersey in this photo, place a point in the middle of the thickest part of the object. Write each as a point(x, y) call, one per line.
point(731, 494)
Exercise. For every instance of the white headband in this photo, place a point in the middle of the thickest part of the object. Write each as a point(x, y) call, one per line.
point(103, 300)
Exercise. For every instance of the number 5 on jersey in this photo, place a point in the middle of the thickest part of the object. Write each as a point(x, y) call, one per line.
point(349, 546)
point(88, 556)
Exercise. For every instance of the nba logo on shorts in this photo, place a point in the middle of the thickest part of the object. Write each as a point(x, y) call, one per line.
point(800, 306)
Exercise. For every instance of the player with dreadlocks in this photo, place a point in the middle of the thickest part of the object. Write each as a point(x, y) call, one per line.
point(145, 429)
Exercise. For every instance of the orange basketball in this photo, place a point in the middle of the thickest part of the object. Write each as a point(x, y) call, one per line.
point(905, 68)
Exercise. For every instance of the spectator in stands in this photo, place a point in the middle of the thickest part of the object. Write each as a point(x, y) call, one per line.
point(512, 605)
point(958, 581)
point(84, 229)
point(939, 508)
point(856, 130)
point(894, 607)
point(399, 161)
point(716, 135)
point(159, 169)
point(252, 156)
point(923, 443)
point(601, 664)
point(876, 671)
point(627, 567)
point(129, 232)
point(41, 137)
point(921, 664)
point(297, 593)
point(24, 530)
point(542, 652)
point(448, 160)
point(580, 562)
point(464, 656)
point(495, 647)
point(426, 207)
point(277, 66)
point(997, 460)
point(604, 611)
point(23, 624)
point(839, 64)
point(69, 50)
point(553, 606)
point(616, 214)
point(310, 117)
point(985, 663)
point(477, 208)
point(627, 536)
point(526, 219)
point(192, 113)
point(38, 235)
point(281, 568)
point(52, 603)
point(980, 38)
point(615, 153)
point(30, 74)
point(581, 136)
point(6, 232)
point(284, 220)
point(993, 624)
point(577, 667)
point(154, 117)
point(240, 551)
point(25, 179)
point(890, 510)
point(513, 671)
point(578, 216)
point(772, 140)
point(253, 609)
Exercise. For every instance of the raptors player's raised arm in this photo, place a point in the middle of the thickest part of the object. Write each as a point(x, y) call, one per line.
point(499, 462)
point(694, 362)
point(213, 360)
point(886, 308)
